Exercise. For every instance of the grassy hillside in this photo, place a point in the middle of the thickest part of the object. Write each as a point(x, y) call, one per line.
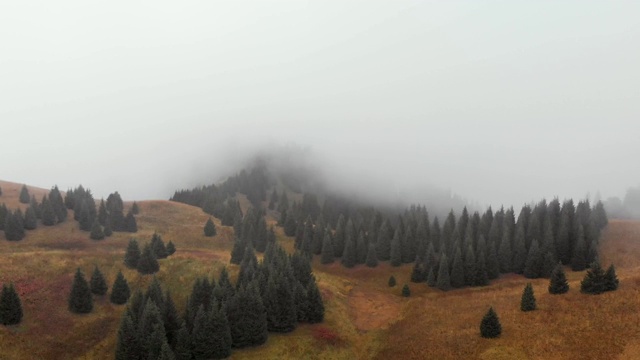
point(364, 317)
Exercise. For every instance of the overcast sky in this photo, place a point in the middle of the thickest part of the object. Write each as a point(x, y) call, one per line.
point(502, 102)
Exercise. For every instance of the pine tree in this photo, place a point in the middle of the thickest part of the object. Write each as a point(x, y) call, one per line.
point(135, 209)
point(579, 260)
point(130, 223)
point(238, 250)
point(481, 278)
point(315, 305)
point(490, 325)
point(594, 281)
point(182, 349)
point(392, 281)
point(470, 271)
point(520, 253)
point(247, 317)
point(431, 278)
point(10, 306)
point(372, 256)
point(533, 266)
point(457, 270)
point(528, 300)
point(30, 218)
point(148, 263)
point(120, 290)
point(132, 256)
point(558, 283)
point(128, 344)
point(505, 254)
point(24, 195)
point(96, 231)
point(80, 299)
point(361, 248)
point(280, 305)
point(493, 267)
point(166, 353)
point(444, 281)
point(610, 279)
point(202, 340)
point(383, 243)
point(327, 249)
point(14, 226)
point(209, 228)
point(98, 283)
point(395, 256)
point(107, 230)
point(171, 249)
point(158, 247)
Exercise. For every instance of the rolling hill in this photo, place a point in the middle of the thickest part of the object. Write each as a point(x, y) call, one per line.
point(365, 318)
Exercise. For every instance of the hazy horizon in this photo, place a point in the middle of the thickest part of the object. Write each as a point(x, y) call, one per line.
point(500, 103)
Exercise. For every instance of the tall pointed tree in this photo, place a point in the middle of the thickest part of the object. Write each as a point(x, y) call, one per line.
point(10, 306)
point(490, 326)
point(98, 283)
point(120, 291)
point(558, 283)
point(80, 299)
point(528, 300)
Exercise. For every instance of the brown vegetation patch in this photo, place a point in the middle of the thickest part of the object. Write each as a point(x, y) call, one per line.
point(373, 310)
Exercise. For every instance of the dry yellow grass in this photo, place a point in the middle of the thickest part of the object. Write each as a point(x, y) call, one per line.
point(369, 319)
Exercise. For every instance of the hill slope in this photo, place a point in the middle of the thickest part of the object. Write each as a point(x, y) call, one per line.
point(364, 318)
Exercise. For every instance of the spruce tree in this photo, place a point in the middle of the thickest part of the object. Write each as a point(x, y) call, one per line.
point(327, 249)
point(280, 304)
point(148, 263)
point(24, 195)
point(135, 209)
point(120, 290)
point(96, 231)
point(444, 281)
point(361, 248)
point(490, 325)
point(505, 255)
point(209, 228)
point(350, 255)
point(10, 306)
point(457, 270)
point(171, 249)
point(431, 278)
point(315, 305)
point(182, 349)
point(610, 279)
point(579, 260)
point(533, 266)
point(80, 299)
point(392, 281)
point(202, 340)
point(594, 281)
point(237, 252)
point(528, 300)
point(14, 226)
point(481, 278)
point(130, 223)
point(558, 283)
point(520, 253)
point(107, 230)
point(132, 256)
point(158, 247)
point(372, 256)
point(166, 353)
point(98, 283)
point(128, 344)
point(30, 218)
point(247, 317)
point(395, 256)
point(406, 292)
point(470, 263)
point(493, 267)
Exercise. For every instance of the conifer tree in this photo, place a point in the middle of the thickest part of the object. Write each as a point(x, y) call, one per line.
point(361, 248)
point(490, 325)
point(148, 263)
point(30, 219)
point(4, 212)
point(372, 256)
point(392, 281)
point(203, 341)
point(166, 353)
point(155, 341)
point(80, 299)
point(247, 317)
point(148, 322)
point(528, 300)
point(327, 249)
point(505, 254)
point(395, 256)
point(171, 249)
point(383, 243)
point(406, 292)
point(457, 270)
point(493, 267)
point(340, 236)
point(470, 263)
point(10, 306)
point(132, 255)
point(209, 228)
point(594, 281)
point(548, 264)
point(610, 278)
point(481, 278)
point(520, 253)
point(107, 230)
point(431, 278)
point(24, 195)
point(96, 231)
point(280, 305)
point(158, 247)
point(14, 226)
point(135, 209)
point(558, 283)
point(128, 345)
point(533, 265)
point(182, 349)
point(237, 252)
point(315, 305)
point(98, 283)
point(120, 290)
point(130, 223)
point(350, 255)
point(444, 281)
point(418, 273)
point(578, 260)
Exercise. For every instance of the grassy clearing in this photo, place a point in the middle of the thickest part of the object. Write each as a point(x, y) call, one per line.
point(364, 317)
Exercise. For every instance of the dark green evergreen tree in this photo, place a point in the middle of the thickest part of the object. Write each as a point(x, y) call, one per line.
point(130, 223)
point(431, 277)
point(315, 305)
point(30, 219)
point(209, 228)
point(120, 290)
point(528, 300)
point(361, 248)
point(392, 281)
point(182, 349)
point(48, 215)
point(339, 239)
point(107, 230)
point(505, 255)
point(14, 226)
point(280, 304)
point(171, 249)
point(493, 267)
point(98, 283)
point(96, 231)
point(579, 260)
point(558, 283)
point(166, 353)
point(327, 248)
point(132, 255)
point(80, 299)
point(406, 292)
point(237, 252)
point(594, 281)
point(610, 279)
point(383, 243)
point(350, 254)
point(443, 281)
point(24, 195)
point(470, 263)
point(135, 209)
point(210, 338)
point(520, 253)
point(395, 256)
point(148, 263)
point(128, 344)
point(457, 270)
point(247, 317)
point(490, 325)
point(533, 266)
point(481, 278)
point(10, 306)
point(372, 256)
point(158, 247)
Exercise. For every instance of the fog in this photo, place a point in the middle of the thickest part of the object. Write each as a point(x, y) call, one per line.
point(497, 102)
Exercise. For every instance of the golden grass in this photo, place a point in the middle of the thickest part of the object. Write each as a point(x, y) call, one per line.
point(368, 319)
